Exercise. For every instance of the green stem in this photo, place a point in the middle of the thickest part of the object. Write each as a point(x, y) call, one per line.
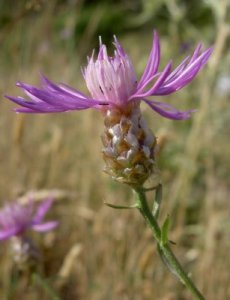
point(164, 248)
point(44, 284)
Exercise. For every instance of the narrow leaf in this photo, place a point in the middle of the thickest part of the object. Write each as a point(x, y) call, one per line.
point(165, 230)
point(157, 202)
point(121, 206)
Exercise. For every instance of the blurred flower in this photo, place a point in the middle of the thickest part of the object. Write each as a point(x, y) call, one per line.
point(16, 219)
point(113, 84)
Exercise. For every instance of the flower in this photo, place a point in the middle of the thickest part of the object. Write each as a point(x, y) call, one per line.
point(129, 145)
point(113, 84)
point(16, 219)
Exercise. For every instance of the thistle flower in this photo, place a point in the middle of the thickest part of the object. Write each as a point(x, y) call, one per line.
point(129, 146)
point(112, 83)
point(16, 219)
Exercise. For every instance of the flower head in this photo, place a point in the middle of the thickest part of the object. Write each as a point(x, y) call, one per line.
point(113, 84)
point(111, 79)
point(16, 219)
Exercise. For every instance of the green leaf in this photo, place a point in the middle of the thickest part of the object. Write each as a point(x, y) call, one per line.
point(157, 201)
point(165, 230)
point(121, 206)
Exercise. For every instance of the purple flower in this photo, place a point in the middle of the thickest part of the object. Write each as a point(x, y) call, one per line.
point(16, 219)
point(113, 84)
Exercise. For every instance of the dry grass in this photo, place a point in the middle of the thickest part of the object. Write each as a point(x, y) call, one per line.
point(99, 253)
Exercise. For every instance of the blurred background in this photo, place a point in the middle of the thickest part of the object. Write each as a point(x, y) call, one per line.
point(99, 253)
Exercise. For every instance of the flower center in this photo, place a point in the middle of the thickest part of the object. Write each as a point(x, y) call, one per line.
point(111, 79)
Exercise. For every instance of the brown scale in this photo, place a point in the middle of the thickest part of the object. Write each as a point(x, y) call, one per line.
point(136, 169)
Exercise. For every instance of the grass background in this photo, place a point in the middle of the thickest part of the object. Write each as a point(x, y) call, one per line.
point(99, 253)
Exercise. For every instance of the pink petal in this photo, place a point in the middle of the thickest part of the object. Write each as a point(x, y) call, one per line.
point(153, 61)
point(5, 234)
point(47, 226)
point(42, 210)
point(169, 111)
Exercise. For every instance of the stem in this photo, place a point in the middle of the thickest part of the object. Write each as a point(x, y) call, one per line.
point(44, 284)
point(164, 248)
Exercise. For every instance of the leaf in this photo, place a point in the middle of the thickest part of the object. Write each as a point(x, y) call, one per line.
point(165, 230)
point(157, 201)
point(121, 206)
